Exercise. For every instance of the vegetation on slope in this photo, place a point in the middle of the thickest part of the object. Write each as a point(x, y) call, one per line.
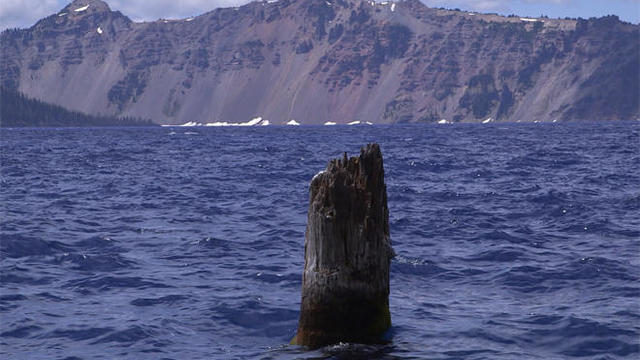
point(18, 110)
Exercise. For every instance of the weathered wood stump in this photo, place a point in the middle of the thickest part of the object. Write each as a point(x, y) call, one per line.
point(345, 286)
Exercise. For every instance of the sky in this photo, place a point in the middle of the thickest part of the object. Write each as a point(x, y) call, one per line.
point(24, 13)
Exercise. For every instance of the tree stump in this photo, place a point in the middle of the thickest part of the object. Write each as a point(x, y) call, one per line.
point(345, 286)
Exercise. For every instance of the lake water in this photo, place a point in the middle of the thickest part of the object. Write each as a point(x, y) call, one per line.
point(513, 241)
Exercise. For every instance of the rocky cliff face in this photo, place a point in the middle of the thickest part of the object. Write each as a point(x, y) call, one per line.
point(337, 60)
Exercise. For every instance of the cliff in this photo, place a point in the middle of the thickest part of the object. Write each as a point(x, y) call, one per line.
point(317, 61)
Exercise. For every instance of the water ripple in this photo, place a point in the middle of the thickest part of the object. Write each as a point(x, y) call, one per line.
point(512, 241)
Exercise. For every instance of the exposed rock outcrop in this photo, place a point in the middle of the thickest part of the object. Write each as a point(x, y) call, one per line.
point(318, 61)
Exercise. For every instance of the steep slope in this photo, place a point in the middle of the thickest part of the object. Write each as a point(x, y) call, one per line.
point(17, 110)
point(318, 60)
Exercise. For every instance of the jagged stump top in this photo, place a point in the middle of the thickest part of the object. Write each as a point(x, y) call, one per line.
point(347, 253)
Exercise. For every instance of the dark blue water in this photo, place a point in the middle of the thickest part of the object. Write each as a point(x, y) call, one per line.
point(512, 241)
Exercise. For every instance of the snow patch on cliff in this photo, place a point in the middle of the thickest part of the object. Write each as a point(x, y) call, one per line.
point(81, 9)
point(253, 122)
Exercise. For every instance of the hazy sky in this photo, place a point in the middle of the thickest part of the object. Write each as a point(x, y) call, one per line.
point(24, 13)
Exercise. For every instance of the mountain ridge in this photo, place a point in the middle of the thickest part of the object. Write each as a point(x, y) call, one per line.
point(318, 61)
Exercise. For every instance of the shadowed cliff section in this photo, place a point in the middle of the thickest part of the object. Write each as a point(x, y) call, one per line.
point(318, 61)
point(17, 110)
